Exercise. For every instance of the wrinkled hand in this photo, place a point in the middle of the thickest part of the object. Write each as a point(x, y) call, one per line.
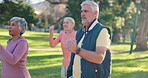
point(51, 29)
point(72, 45)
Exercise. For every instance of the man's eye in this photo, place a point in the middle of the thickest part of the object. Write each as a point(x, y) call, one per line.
point(85, 11)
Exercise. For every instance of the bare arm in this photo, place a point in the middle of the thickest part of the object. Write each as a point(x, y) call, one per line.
point(52, 42)
point(95, 57)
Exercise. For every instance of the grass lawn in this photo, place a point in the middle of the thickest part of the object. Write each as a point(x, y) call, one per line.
point(130, 66)
point(35, 39)
point(44, 64)
point(47, 64)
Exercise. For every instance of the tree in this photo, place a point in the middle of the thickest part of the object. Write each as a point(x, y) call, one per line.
point(128, 23)
point(57, 2)
point(74, 11)
point(52, 12)
point(142, 34)
point(118, 18)
point(10, 9)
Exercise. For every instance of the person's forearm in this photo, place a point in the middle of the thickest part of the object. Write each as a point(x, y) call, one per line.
point(51, 41)
point(94, 57)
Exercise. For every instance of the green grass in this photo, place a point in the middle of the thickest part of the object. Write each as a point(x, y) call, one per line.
point(35, 39)
point(47, 64)
point(125, 47)
point(122, 48)
point(130, 66)
point(44, 64)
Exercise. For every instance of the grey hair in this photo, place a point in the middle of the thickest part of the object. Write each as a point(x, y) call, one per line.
point(71, 20)
point(22, 24)
point(94, 6)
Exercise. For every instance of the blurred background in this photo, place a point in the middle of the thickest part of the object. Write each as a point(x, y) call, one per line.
point(127, 19)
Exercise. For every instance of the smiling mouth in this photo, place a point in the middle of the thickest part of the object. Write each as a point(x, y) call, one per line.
point(65, 27)
point(10, 30)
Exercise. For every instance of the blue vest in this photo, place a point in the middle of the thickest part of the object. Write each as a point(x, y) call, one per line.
point(89, 43)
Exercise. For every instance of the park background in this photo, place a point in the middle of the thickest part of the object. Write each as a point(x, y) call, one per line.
point(127, 19)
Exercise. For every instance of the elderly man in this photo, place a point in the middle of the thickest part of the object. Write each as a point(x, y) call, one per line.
point(91, 57)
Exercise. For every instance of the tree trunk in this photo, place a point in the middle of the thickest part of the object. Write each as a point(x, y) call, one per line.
point(124, 36)
point(59, 27)
point(116, 36)
point(142, 34)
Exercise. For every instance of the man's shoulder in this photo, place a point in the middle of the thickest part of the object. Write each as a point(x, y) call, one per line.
point(105, 29)
point(80, 30)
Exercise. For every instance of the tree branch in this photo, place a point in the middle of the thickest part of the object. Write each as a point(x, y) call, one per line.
point(57, 2)
point(55, 23)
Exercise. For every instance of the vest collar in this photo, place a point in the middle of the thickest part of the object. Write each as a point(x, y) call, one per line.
point(92, 25)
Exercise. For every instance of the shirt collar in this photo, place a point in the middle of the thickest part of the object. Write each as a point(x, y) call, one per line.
point(93, 25)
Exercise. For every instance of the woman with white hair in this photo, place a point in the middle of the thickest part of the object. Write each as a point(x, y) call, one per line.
point(69, 33)
point(14, 57)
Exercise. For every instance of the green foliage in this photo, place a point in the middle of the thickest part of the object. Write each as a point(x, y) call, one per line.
point(117, 18)
point(10, 9)
point(74, 11)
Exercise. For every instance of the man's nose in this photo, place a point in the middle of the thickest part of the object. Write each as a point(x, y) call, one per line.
point(82, 13)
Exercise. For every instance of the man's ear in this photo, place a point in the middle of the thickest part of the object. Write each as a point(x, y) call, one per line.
point(96, 12)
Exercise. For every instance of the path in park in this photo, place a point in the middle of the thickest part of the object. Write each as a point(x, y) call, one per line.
point(45, 49)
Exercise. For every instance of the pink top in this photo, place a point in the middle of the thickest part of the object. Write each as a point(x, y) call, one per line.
point(14, 59)
point(63, 37)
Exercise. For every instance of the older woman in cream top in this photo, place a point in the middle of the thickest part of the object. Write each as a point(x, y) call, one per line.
point(14, 57)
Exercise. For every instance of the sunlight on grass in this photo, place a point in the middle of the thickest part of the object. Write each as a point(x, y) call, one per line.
point(57, 64)
point(128, 69)
point(44, 64)
point(56, 53)
point(38, 54)
point(38, 67)
point(125, 65)
point(121, 47)
point(55, 59)
point(35, 39)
